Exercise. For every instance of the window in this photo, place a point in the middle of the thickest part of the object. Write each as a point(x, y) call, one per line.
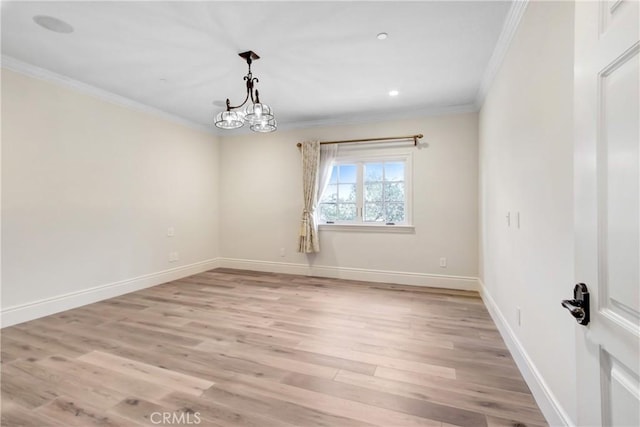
point(367, 190)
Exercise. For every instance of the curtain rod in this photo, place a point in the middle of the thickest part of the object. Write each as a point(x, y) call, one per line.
point(391, 138)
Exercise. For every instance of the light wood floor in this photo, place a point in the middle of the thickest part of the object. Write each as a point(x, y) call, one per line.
point(239, 348)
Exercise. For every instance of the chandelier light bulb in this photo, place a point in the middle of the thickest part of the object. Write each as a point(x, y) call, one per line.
point(258, 112)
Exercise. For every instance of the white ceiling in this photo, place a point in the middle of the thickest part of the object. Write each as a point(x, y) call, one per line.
point(320, 61)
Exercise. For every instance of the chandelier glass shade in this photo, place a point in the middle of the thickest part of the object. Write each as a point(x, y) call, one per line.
point(257, 115)
point(264, 126)
point(229, 120)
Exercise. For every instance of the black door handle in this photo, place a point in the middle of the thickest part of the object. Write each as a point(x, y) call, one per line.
point(579, 305)
point(574, 307)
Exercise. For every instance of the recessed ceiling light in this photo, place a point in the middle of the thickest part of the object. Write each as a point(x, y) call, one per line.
point(393, 93)
point(53, 24)
point(382, 36)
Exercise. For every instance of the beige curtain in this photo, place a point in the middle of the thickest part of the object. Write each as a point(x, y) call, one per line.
point(308, 227)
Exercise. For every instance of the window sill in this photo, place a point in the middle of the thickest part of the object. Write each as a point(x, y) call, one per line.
point(368, 228)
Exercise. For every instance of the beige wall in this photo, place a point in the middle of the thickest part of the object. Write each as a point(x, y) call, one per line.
point(261, 202)
point(89, 189)
point(526, 157)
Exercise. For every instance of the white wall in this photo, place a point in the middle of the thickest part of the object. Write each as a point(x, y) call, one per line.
point(261, 205)
point(89, 189)
point(526, 157)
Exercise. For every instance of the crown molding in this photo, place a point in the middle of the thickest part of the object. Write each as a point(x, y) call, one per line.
point(383, 117)
point(509, 28)
point(13, 64)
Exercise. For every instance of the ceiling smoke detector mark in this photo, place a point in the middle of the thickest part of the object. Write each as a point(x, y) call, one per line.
point(382, 36)
point(53, 24)
point(393, 93)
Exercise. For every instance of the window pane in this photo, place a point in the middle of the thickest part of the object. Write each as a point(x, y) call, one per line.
point(373, 172)
point(346, 211)
point(373, 192)
point(395, 212)
point(394, 191)
point(334, 175)
point(348, 173)
point(374, 211)
point(328, 212)
point(330, 194)
point(347, 192)
point(394, 171)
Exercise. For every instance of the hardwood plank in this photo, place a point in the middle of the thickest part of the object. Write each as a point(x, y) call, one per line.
point(277, 409)
point(462, 386)
point(502, 422)
point(392, 401)
point(24, 391)
point(326, 403)
point(520, 407)
point(80, 388)
point(374, 359)
point(274, 361)
point(13, 415)
point(209, 409)
point(74, 368)
point(74, 413)
point(138, 370)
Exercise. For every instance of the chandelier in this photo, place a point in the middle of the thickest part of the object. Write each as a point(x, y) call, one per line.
point(257, 115)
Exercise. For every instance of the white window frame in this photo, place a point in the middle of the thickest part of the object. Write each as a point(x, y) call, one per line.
point(359, 156)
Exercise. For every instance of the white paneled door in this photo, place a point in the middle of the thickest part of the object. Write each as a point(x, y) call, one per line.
point(607, 210)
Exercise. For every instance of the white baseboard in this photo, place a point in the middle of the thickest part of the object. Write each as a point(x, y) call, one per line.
point(34, 310)
point(548, 403)
point(398, 277)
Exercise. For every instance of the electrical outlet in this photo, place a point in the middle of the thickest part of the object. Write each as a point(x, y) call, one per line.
point(282, 252)
point(443, 262)
point(173, 256)
point(171, 232)
point(519, 316)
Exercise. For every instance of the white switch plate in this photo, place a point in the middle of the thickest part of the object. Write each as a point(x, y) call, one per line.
point(171, 232)
point(443, 262)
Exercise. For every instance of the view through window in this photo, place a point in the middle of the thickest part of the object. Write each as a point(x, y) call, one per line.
point(368, 192)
